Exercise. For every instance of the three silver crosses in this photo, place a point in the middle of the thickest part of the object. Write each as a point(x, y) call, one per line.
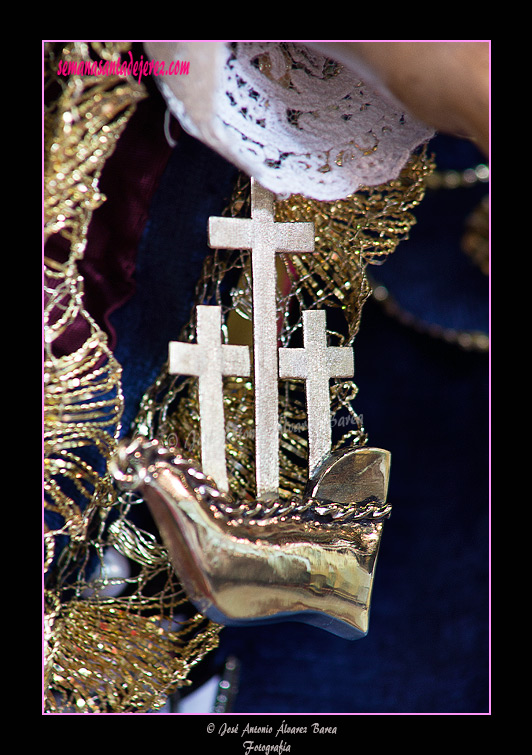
point(209, 359)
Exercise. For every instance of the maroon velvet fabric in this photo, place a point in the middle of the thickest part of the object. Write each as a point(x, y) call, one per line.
point(128, 181)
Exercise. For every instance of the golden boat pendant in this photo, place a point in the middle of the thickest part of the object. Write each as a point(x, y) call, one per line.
point(310, 559)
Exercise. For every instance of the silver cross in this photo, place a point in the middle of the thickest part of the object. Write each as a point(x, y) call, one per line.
point(264, 237)
point(316, 363)
point(209, 359)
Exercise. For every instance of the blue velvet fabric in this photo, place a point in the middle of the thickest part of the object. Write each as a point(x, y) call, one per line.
point(423, 399)
point(196, 184)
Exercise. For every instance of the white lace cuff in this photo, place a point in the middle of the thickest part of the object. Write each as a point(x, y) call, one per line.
point(287, 115)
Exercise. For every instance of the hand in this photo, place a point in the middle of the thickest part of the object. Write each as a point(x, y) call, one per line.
point(444, 84)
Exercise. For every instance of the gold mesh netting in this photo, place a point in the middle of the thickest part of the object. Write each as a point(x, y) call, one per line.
point(102, 653)
point(124, 644)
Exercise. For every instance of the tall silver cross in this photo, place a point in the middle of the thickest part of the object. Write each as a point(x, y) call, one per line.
point(316, 363)
point(209, 360)
point(264, 237)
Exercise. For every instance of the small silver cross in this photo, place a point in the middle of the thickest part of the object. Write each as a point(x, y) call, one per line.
point(264, 237)
point(209, 360)
point(315, 364)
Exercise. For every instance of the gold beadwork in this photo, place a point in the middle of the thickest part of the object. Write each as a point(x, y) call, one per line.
point(474, 242)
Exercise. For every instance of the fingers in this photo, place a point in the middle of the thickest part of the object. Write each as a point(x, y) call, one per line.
point(444, 84)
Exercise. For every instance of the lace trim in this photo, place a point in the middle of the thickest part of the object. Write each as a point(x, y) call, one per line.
point(292, 118)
